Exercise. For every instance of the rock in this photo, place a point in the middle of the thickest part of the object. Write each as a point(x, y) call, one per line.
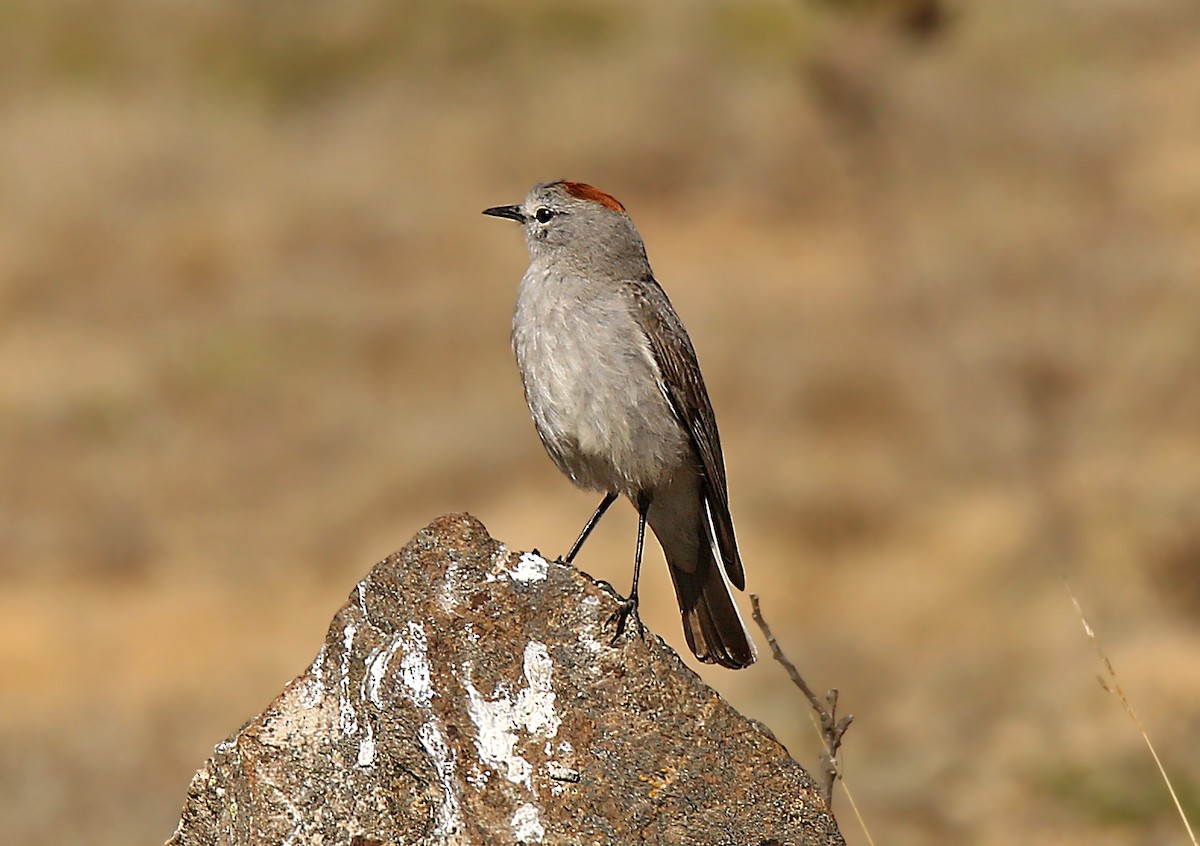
point(467, 694)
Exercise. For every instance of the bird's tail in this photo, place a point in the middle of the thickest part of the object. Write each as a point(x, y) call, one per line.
point(714, 628)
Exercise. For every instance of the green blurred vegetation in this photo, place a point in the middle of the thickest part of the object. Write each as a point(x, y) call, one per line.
point(1128, 792)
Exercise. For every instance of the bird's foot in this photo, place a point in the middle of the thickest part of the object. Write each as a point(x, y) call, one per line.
point(625, 610)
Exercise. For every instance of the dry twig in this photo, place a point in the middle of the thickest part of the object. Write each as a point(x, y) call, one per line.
point(831, 728)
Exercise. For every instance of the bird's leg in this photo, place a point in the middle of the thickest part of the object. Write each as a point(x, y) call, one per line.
point(609, 499)
point(629, 606)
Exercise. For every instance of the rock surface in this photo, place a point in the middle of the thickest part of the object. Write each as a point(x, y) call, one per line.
point(467, 694)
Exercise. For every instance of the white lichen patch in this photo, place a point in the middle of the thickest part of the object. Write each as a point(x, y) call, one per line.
point(377, 666)
point(449, 820)
point(498, 719)
point(414, 666)
point(526, 826)
point(590, 612)
point(413, 675)
point(535, 704)
point(348, 719)
point(494, 736)
point(530, 568)
point(366, 748)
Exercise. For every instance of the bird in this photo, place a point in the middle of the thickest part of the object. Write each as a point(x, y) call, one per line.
point(615, 392)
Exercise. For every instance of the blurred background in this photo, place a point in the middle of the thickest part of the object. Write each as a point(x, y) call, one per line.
point(940, 263)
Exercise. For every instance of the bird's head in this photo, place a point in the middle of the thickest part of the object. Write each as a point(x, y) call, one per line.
point(578, 228)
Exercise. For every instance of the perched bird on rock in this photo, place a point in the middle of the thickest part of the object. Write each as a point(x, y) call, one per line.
point(616, 394)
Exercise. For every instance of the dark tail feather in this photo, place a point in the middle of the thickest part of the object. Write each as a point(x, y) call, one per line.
point(680, 519)
point(714, 629)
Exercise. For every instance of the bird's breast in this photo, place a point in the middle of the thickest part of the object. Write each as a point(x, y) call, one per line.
point(592, 385)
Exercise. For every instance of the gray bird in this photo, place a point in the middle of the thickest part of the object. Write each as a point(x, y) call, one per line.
point(616, 394)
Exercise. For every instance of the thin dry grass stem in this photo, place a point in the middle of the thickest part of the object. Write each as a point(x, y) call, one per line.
point(825, 720)
point(862, 824)
point(1113, 686)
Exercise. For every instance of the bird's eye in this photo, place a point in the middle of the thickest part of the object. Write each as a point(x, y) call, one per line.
point(543, 215)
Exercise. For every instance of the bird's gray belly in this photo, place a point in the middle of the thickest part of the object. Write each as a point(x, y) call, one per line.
point(593, 392)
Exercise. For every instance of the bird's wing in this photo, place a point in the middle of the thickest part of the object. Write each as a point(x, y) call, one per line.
point(683, 386)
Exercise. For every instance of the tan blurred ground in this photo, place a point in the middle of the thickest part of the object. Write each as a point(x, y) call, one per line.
point(946, 294)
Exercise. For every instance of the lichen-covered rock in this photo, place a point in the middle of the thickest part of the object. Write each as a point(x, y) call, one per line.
point(467, 694)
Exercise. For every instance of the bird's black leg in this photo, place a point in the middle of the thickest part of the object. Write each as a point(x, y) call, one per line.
point(629, 606)
point(609, 499)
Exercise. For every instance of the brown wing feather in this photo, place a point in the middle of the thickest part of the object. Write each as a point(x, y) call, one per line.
point(684, 388)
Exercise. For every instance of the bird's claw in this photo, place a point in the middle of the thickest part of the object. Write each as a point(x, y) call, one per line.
point(625, 610)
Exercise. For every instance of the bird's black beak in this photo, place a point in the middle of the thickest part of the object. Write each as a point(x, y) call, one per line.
point(511, 212)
